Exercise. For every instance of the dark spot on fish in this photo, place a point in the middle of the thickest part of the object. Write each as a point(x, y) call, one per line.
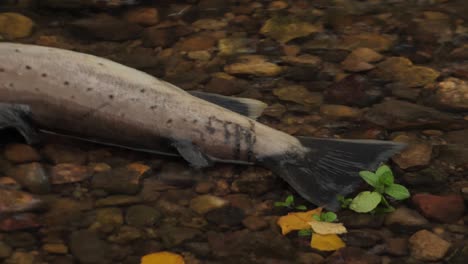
point(153, 107)
point(142, 91)
point(66, 83)
point(169, 121)
point(209, 127)
point(195, 121)
point(89, 89)
point(36, 89)
point(184, 119)
point(17, 50)
point(111, 96)
point(11, 85)
point(44, 75)
point(100, 64)
point(28, 67)
point(237, 142)
point(2, 70)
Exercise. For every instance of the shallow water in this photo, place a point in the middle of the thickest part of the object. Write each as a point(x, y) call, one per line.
point(390, 70)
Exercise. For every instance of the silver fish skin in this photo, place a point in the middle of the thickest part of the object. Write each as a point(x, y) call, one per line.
point(103, 101)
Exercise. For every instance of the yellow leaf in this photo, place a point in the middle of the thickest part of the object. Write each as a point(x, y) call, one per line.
point(325, 228)
point(297, 221)
point(326, 242)
point(163, 257)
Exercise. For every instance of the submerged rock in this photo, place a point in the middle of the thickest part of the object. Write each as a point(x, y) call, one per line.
point(121, 180)
point(33, 177)
point(417, 153)
point(15, 26)
point(451, 94)
point(455, 152)
point(352, 255)
point(19, 222)
point(87, 247)
point(395, 114)
point(286, 28)
point(446, 209)
point(205, 203)
point(353, 90)
point(142, 215)
point(106, 27)
point(426, 246)
point(298, 94)
point(144, 16)
point(21, 153)
point(404, 219)
point(69, 173)
point(256, 65)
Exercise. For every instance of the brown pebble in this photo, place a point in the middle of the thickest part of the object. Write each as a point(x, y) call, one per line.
point(21, 153)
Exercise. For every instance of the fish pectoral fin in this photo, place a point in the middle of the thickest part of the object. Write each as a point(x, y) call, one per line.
point(192, 154)
point(244, 106)
point(19, 117)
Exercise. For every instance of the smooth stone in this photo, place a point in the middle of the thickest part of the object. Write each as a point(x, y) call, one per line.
point(14, 201)
point(144, 16)
point(63, 154)
point(339, 111)
point(22, 258)
point(298, 94)
point(205, 203)
point(404, 219)
point(201, 249)
point(284, 29)
point(125, 234)
point(431, 176)
point(352, 255)
point(19, 222)
point(106, 27)
point(255, 223)
point(451, 94)
point(197, 43)
point(236, 45)
point(225, 84)
point(396, 115)
point(173, 235)
point(310, 258)
point(209, 24)
point(20, 239)
point(417, 153)
point(362, 238)
point(69, 173)
point(15, 26)
point(226, 216)
point(87, 247)
point(5, 250)
point(107, 219)
point(158, 37)
point(397, 246)
point(55, 248)
point(256, 65)
point(445, 209)
point(455, 152)
point(21, 153)
point(118, 200)
point(33, 177)
point(426, 246)
point(353, 90)
point(377, 42)
point(254, 181)
point(142, 215)
point(120, 180)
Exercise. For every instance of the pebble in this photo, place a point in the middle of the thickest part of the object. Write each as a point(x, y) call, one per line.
point(176, 235)
point(20, 240)
point(62, 154)
point(255, 223)
point(19, 222)
point(120, 180)
point(87, 247)
point(426, 246)
point(403, 219)
point(205, 203)
point(445, 209)
point(105, 27)
point(254, 181)
point(353, 90)
point(55, 248)
point(226, 216)
point(118, 200)
point(32, 176)
point(339, 111)
point(256, 65)
point(352, 255)
point(5, 250)
point(22, 258)
point(144, 16)
point(15, 26)
point(204, 187)
point(209, 24)
point(158, 37)
point(298, 94)
point(21, 153)
point(397, 246)
point(125, 235)
point(197, 43)
point(417, 153)
point(68, 173)
point(225, 84)
point(13, 201)
point(107, 220)
point(236, 45)
point(142, 215)
point(284, 29)
point(451, 94)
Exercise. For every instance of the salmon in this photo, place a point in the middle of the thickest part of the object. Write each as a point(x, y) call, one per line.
point(95, 99)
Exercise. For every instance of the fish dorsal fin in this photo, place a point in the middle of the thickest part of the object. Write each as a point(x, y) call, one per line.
point(244, 106)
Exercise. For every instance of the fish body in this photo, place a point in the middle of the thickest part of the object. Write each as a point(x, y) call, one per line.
point(99, 100)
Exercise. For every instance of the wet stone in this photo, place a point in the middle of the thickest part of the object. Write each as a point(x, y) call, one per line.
point(353, 90)
point(397, 246)
point(339, 112)
point(32, 176)
point(426, 246)
point(142, 215)
point(254, 181)
point(298, 94)
point(446, 209)
point(125, 234)
point(352, 255)
point(417, 153)
point(395, 114)
point(356, 220)
point(121, 180)
point(21, 153)
point(19, 222)
point(225, 84)
point(286, 28)
point(275, 110)
point(19, 257)
point(255, 223)
point(5, 250)
point(14, 201)
point(204, 187)
point(15, 26)
point(201, 249)
point(62, 154)
point(456, 150)
point(236, 45)
point(173, 235)
point(404, 219)
point(20, 240)
point(197, 43)
point(118, 200)
point(363, 238)
point(55, 248)
point(451, 94)
point(430, 176)
point(309, 258)
point(205, 203)
point(144, 16)
point(69, 173)
point(87, 247)
point(107, 220)
point(158, 37)
point(106, 27)
point(226, 216)
point(256, 65)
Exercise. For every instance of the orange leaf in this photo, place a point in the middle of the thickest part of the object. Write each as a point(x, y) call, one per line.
point(163, 257)
point(326, 242)
point(138, 167)
point(297, 221)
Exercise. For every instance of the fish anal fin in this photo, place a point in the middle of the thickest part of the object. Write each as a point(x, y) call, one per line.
point(245, 106)
point(192, 154)
point(19, 117)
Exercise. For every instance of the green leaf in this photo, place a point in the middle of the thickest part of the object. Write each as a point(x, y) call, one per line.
point(386, 179)
point(328, 217)
point(301, 207)
point(370, 178)
point(344, 201)
point(365, 202)
point(304, 232)
point(280, 204)
point(317, 217)
point(289, 200)
point(384, 169)
point(397, 191)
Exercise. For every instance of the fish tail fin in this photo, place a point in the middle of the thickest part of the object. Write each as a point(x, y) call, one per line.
point(326, 168)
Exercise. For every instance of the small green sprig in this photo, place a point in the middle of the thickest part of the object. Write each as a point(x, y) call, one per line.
point(289, 203)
